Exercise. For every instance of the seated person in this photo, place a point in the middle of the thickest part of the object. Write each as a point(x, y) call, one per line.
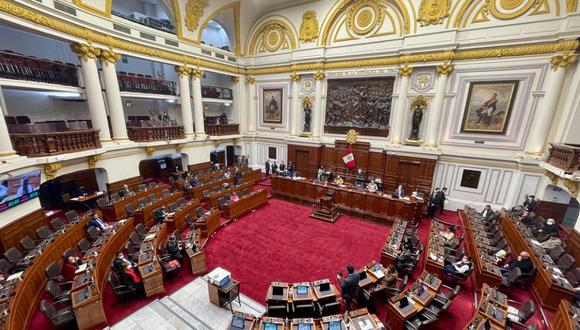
point(125, 191)
point(173, 249)
point(500, 256)
point(527, 218)
point(359, 178)
point(81, 191)
point(349, 285)
point(391, 275)
point(338, 180)
point(487, 212)
point(234, 197)
point(227, 174)
point(129, 278)
point(399, 192)
point(372, 186)
point(403, 258)
point(517, 211)
point(120, 260)
point(448, 233)
point(458, 268)
point(522, 262)
point(187, 186)
point(98, 223)
point(552, 242)
point(550, 228)
point(195, 181)
point(70, 267)
point(159, 214)
point(320, 173)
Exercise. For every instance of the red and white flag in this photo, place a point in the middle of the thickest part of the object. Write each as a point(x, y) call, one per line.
point(348, 158)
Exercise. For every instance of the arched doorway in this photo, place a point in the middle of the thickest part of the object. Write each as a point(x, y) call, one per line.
point(216, 35)
point(557, 203)
point(156, 14)
point(55, 194)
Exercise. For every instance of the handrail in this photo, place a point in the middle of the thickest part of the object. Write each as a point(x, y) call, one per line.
point(54, 143)
point(565, 157)
point(162, 133)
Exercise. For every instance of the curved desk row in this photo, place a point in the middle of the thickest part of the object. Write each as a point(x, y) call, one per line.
point(212, 199)
point(116, 210)
point(245, 204)
point(145, 215)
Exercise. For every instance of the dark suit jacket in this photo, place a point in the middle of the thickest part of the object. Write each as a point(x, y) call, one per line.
point(118, 264)
point(124, 192)
point(349, 285)
point(531, 206)
point(95, 223)
point(159, 215)
point(525, 265)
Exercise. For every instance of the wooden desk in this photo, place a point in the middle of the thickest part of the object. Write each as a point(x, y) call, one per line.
point(332, 293)
point(398, 316)
point(116, 210)
point(278, 298)
point(296, 323)
point(27, 291)
point(209, 223)
point(435, 252)
point(549, 292)
point(145, 215)
point(361, 203)
point(362, 320)
point(295, 296)
point(148, 265)
point(212, 199)
point(267, 323)
point(484, 271)
point(249, 321)
point(563, 319)
point(88, 308)
point(393, 242)
point(333, 322)
point(197, 192)
point(245, 204)
point(196, 261)
point(152, 278)
point(492, 304)
point(177, 220)
point(88, 197)
point(219, 295)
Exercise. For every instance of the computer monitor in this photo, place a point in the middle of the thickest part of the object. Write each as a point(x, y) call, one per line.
point(363, 275)
point(420, 290)
point(404, 302)
point(277, 290)
point(334, 325)
point(238, 322)
point(325, 286)
point(304, 326)
point(270, 326)
point(302, 289)
point(377, 267)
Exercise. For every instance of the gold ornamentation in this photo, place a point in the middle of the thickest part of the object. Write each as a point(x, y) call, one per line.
point(179, 147)
point(85, 51)
point(433, 11)
point(250, 80)
point(351, 136)
point(320, 75)
point(295, 76)
point(309, 26)
point(445, 68)
point(235, 142)
point(507, 8)
point(193, 12)
point(571, 6)
point(572, 187)
point(236, 79)
point(87, 7)
point(196, 73)
point(109, 56)
point(419, 101)
point(92, 160)
point(364, 16)
point(50, 170)
point(182, 70)
point(149, 151)
point(562, 60)
point(307, 103)
point(553, 177)
point(216, 143)
point(274, 37)
point(405, 71)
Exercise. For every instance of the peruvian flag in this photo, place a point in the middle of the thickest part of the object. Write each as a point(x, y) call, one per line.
point(348, 158)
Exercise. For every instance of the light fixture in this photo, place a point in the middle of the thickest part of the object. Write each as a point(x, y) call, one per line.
point(227, 104)
point(128, 104)
point(171, 101)
point(64, 95)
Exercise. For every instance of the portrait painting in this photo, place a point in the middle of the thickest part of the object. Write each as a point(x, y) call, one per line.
point(489, 106)
point(272, 106)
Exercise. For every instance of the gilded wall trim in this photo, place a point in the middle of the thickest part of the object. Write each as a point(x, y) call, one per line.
point(106, 13)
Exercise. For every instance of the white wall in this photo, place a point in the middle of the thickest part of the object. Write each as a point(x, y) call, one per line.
point(40, 107)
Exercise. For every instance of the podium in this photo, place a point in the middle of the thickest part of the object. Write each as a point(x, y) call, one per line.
point(324, 209)
point(152, 277)
point(197, 261)
point(88, 308)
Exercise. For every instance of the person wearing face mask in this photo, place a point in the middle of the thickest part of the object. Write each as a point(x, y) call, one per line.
point(458, 268)
point(522, 262)
point(549, 229)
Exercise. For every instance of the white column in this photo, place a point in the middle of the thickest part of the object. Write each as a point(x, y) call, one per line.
point(432, 135)
point(251, 105)
point(87, 54)
point(543, 118)
point(197, 102)
point(401, 110)
point(317, 108)
point(239, 104)
point(295, 109)
point(116, 114)
point(5, 142)
point(185, 99)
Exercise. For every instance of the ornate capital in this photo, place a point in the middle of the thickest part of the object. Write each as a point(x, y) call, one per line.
point(445, 68)
point(216, 143)
point(250, 80)
point(405, 71)
point(552, 176)
point(236, 79)
point(179, 147)
point(85, 51)
point(149, 151)
point(50, 170)
point(572, 187)
point(109, 56)
point(320, 75)
point(562, 60)
point(92, 160)
point(196, 73)
point(182, 70)
point(294, 76)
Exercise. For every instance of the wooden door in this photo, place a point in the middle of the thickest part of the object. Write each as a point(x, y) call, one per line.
point(552, 210)
point(301, 162)
point(407, 176)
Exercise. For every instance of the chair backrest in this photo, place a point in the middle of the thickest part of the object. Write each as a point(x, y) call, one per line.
point(181, 202)
point(527, 311)
point(53, 289)
point(115, 197)
point(71, 215)
point(47, 309)
point(172, 207)
point(27, 243)
point(93, 233)
point(4, 266)
point(188, 218)
point(140, 229)
point(556, 253)
point(102, 202)
point(69, 252)
point(53, 270)
point(130, 209)
point(13, 255)
point(142, 187)
point(165, 193)
point(404, 283)
point(43, 232)
point(515, 275)
point(199, 212)
point(455, 291)
point(134, 238)
point(277, 311)
point(84, 245)
point(57, 223)
point(142, 202)
point(566, 262)
point(152, 198)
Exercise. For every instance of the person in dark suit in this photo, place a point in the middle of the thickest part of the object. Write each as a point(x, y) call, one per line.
point(274, 168)
point(290, 169)
point(119, 261)
point(267, 168)
point(487, 212)
point(213, 158)
point(160, 214)
point(97, 222)
point(195, 181)
point(530, 203)
point(549, 229)
point(431, 207)
point(458, 268)
point(399, 192)
point(237, 177)
point(125, 191)
point(349, 285)
point(403, 258)
point(522, 262)
point(282, 167)
point(440, 200)
point(81, 191)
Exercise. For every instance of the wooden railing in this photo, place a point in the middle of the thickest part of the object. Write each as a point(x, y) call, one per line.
point(229, 129)
point(143, 134)
point(44, 144)
point(565, 156)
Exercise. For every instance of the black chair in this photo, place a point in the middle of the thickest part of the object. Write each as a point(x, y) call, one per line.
point(189, 221)
point(330, 308)
point(181, 202)
point(566, 262)
point(5, 267)
point(84, 245)
point(398, 287)
point(142, 202)
point(169, 264)
point(153, 198)
point(115, 197)
point(130, 209)
point(53, 271)
point(13, 255)
point(200, 212)
point(58, 317)
point(122, 292)
point(521, 315)
point(72, 216)
point(56, 292)
point(93, 233)
point(141, 231)
point(556, 253)
point(303, 310)
point(441, 298)
point(459, 277)
point(141, 187)
point(57, 223)
point(513, 277)
point(134, 238)
point(101, 203)
point(43, 232)
point(172, 207)
point(280, 311)
point(27, 243)
point(573, 276)
point(165, 193)
point(420, 321)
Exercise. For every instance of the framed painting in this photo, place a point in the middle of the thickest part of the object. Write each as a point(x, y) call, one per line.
point(489, 106)
point(272, 106)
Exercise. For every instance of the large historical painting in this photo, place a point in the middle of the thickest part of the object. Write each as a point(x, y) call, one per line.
point(489, 106)
point(360, 103)
point(272, 103)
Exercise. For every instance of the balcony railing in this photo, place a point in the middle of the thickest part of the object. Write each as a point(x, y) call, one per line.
point(154, 23)
point(138, 83)
point(213, 92)
point(17, 66)
point(54, 143)
point(565, 157)
point(160, 133)
point(220, 129)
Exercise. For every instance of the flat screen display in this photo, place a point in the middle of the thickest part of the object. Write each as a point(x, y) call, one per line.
point(19, 189)
point(162, 164)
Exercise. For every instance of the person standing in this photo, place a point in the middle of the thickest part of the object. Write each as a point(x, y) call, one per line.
point(349, 285)
point(431, 207)
point(531, 203)
point(440, 200)
point(282, 166)
point(274, 168)
point(267, 167)
point(290, 169)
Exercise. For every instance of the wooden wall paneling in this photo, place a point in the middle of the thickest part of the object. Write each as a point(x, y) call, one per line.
point(199, 166)
point(86, 178)
point(11, 234)
point(376, 166)
point(149, 168)
point(416, 173)
point(573, 245)
point(133, 184)
point(547, 210)
point(306, 159)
